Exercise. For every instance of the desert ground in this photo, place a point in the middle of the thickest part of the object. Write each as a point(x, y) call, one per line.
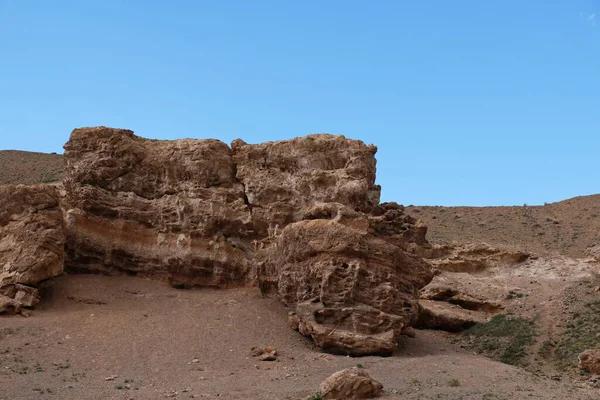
point(124, 337)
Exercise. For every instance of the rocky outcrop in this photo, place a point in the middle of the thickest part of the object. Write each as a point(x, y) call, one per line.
point(170, 210)
point(299, 217)
point(352, 292)
point(447, 317)
point(334, 255)
point(472, 258)
point(31, 243)
point(466, 291)
point(350, 384)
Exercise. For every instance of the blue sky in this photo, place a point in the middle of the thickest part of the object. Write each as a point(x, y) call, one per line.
point(470, 102)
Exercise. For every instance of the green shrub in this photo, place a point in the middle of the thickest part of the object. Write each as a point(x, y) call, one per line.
point(505, 337)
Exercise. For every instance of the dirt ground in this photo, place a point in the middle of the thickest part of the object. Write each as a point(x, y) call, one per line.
point(154, 342)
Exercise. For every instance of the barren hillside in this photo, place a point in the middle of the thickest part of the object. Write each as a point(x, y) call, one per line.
point(29, 168)
point(568, 227)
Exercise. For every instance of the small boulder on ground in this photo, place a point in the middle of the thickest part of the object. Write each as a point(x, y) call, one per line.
point(350, 384)
point(589, 361)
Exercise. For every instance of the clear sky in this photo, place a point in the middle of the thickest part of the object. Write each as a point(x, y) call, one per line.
point(470, 102)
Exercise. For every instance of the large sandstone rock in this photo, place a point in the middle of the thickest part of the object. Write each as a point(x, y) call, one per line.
point(170, 210)
point(352, 292)
point(350, 384)
point(301, 217)
point(31, 243)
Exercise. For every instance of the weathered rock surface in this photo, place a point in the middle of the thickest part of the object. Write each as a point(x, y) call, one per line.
point(589, 361)
point(350, 384)
point(472, 258)
point(31, 243)
point(170, 210)
point(283, 180)
point(447, 317)
point(352, 292)
point(465, 291)
point(299, 217)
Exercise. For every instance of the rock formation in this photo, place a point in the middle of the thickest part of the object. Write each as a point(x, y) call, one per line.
point(170, 210)
point(472, 258)
point(301, 218)
point(447, 317)
point(31, 243)
point(352, 292)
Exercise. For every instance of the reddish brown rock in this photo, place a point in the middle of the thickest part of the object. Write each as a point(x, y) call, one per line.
point(300, 217)
point(31, 242)
point(350, 384)
point(170, 210)
point(351, 291)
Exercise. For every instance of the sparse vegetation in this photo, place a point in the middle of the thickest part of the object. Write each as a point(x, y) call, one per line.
point(514, 295)
point(316, 396)
point(505, 338)
point(359, 366)
point(50, 178)
point(581, 333)
point(453, 383)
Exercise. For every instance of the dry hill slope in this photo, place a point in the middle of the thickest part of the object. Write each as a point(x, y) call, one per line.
point(569, 227)
point(29, 168)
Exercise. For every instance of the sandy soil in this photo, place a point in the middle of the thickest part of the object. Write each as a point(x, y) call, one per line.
point(159, 342)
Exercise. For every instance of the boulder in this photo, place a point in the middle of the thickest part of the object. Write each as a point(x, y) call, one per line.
point(352, 292)
point(31, 242)
point(350, 384)
point(589, 361)
point(169, 210)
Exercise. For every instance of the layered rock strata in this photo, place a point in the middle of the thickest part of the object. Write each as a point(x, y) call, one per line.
point(31, 243)
point(301, 218)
